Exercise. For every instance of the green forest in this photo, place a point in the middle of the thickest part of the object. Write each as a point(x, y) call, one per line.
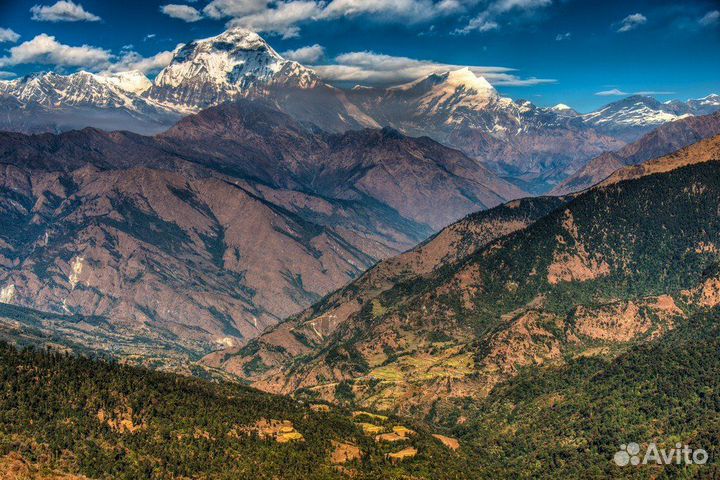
point(567, 422)
point(157, 425)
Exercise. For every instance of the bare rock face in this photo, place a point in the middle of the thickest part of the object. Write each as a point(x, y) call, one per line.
point(525, 285)
point(149, 246)
point(234, 219)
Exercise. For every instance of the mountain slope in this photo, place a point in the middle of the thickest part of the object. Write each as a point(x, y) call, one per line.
point(300, 335)
point(661, 141)
point(234, 219)
point(97, 336)
point(384, 165)
point(616, 265)
point(584, 411)
point(116, 420)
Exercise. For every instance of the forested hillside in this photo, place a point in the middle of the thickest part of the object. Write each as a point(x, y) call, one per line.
point(572, 419)
point(66, 414)
point(68, 418)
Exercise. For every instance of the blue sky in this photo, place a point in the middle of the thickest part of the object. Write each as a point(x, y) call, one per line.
point(547, 51)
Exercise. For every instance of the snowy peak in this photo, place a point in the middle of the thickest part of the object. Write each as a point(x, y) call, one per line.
point(238, 39)
point(132, 81)
point(448, 93)
point(563, 111)
point(218, 55)
point(713, 97)
point(234, 64)
point(465, 78)
point(705, 105)
point(637, 111)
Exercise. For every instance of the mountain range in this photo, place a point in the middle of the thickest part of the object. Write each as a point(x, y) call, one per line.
point(232, 220)
point(534, 147)
point(428, 280)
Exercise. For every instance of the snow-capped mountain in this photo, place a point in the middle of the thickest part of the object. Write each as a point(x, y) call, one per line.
point(81, 88)
point(448, 92)
point(564, 110)
point(442, 101)
point(514, 138)
point(239, 63)
point(641, 111)
point(53, 102)
point(638, 114)
point(234, 64)
point(705, 105)
point(537, 146)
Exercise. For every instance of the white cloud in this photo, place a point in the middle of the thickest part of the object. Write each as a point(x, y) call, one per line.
point(406, 10)
point(710, 18)
point(563, 36)
point(62, 11)
point(631, 22)
point(282, 16)
point(480, 24)
point(182, 12)
point(7, 35)
point(282, 19)
point(487, 19)
point(619, 93)
point(147, 65)
point(234, 8)
point(413, 10)
point(7, 74)
point(377, 69)
point(610, 93)
point(307, 55)
point(45, 50)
